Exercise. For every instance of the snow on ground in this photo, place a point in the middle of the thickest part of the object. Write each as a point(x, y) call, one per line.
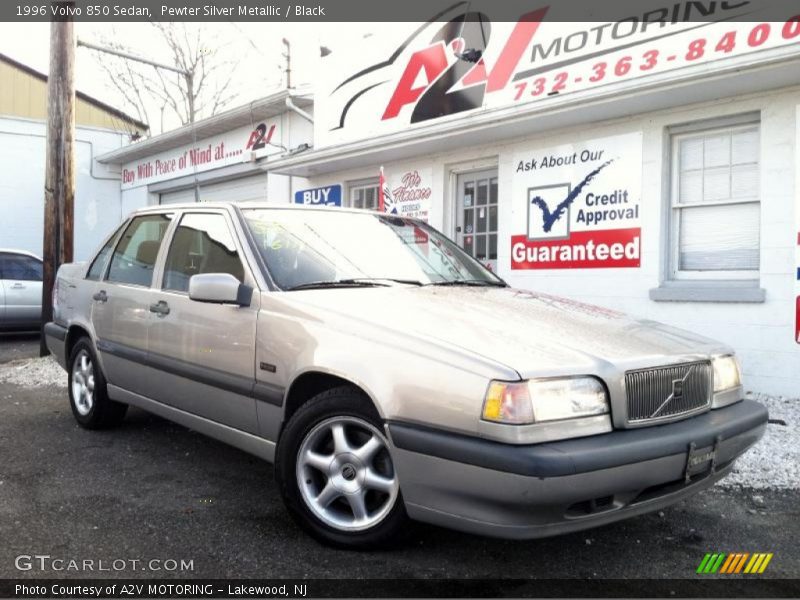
point(773, 463)
point(34, 372)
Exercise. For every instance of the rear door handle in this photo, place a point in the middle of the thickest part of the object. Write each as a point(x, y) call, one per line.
point(17, 286)
point(161, 308)
point(100, 296)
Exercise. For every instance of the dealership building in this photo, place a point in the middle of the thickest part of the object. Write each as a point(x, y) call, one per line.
point(99, 128)
point(650, 170)
point(226, 157)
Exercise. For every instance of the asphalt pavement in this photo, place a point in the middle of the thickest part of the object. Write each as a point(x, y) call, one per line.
point(166, 502)
point(15, 346)
point(154, 490)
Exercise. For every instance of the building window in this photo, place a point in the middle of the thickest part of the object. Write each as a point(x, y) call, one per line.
point(715, 203)
point(363, 194)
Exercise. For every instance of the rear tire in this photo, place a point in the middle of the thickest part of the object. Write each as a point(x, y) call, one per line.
point(88, 392)
point(336, 475)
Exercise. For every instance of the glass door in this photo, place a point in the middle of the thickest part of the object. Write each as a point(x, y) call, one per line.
point(476, 218)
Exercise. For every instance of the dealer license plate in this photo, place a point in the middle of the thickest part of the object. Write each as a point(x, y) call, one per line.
point(700, 460)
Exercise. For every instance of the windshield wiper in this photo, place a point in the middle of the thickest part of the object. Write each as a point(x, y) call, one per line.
point(354, 282)
point(393, 279)
point(471, 283)
point(336, 283)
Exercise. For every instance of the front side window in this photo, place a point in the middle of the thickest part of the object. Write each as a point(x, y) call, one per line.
point(202, 244)
point(99, 263)
point(715, 203)
point(306, 247)
point(20, 267)
point(134, 258)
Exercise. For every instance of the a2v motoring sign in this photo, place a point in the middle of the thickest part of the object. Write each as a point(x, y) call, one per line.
point(581, 203)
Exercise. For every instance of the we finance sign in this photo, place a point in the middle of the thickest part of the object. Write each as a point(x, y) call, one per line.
point(461, 61)
point(578, 205)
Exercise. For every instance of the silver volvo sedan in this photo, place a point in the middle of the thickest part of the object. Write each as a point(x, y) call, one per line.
point(389, 375)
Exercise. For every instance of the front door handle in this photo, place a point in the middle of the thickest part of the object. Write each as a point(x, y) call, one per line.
point(100, 296)
point(161, 308)
point(17, 286)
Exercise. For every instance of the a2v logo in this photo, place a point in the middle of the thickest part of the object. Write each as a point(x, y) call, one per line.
point(438, 75)
point(260, 137)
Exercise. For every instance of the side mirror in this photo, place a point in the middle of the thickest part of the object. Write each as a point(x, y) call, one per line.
point(219, 288)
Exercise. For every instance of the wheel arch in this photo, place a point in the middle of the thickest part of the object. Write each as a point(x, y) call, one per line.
point(309, 383)
point(74, 333)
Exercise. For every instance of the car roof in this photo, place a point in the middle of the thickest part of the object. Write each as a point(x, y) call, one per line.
point(22, 252)
point(160, 208)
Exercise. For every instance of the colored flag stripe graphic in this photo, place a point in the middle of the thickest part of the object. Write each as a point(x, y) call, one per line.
point(736, 562)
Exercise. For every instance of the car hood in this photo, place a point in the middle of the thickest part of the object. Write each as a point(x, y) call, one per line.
point(529, 332)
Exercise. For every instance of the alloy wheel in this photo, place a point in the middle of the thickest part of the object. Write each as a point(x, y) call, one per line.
point(345, 474)
point(83, 383)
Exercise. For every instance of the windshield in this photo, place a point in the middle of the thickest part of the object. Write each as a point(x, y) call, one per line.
point(306, 247)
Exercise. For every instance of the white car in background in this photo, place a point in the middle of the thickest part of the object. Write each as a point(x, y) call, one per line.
point(20, 290)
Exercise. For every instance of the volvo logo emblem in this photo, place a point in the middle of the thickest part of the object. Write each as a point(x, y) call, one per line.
point(349, 472)
point(677, 389)
point(676, 394)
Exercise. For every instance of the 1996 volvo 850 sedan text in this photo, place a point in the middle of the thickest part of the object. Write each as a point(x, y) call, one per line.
point(390, 375)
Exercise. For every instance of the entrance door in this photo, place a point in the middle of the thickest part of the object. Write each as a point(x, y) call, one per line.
point(476, 218)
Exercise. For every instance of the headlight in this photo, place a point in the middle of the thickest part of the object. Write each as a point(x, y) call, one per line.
point(540, 400)
point(727, 381)
point(726, 373)
point(555, 399)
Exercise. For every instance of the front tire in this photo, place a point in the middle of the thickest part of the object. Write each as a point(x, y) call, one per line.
point(88, 394)
point(335, 472)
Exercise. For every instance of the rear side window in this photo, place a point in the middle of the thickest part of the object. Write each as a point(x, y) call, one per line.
point(99, 263)
point(20, 267)
point(202, 244)
point(134, 259)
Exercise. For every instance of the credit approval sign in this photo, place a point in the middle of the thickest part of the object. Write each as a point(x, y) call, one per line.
point(580, 204)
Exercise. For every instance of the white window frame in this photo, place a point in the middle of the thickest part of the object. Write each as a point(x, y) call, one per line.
point(362, 185)
point(678, 134)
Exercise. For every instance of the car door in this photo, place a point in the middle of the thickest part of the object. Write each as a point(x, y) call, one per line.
point(22, 285)
point(206, 352)
point(120, 311)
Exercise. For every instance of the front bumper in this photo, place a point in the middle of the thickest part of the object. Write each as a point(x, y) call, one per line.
point(528, 491)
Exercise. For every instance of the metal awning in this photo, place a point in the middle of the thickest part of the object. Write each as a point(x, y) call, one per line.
point(257, 110)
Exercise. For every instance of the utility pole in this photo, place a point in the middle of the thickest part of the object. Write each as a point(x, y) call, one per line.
point(288, 57)
point(59, 183)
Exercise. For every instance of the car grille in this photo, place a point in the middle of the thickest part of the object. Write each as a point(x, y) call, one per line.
point(663, 392)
